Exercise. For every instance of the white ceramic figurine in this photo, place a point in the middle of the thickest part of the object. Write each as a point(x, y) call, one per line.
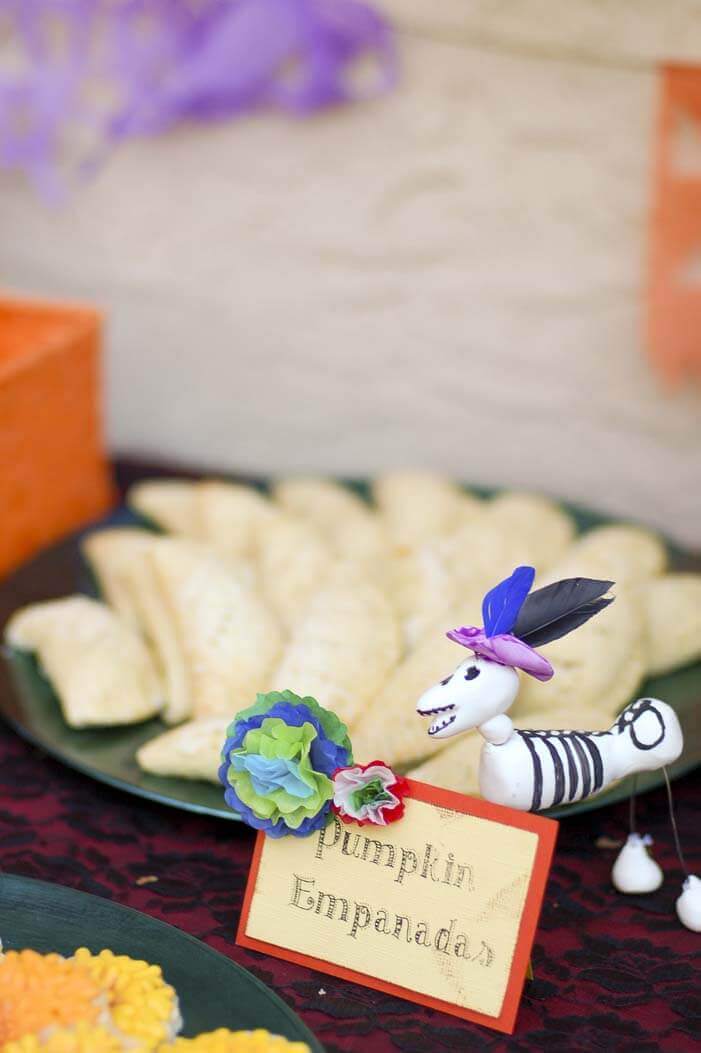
point(536, 769)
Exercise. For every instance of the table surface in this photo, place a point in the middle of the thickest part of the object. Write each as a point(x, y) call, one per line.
point(611, 972)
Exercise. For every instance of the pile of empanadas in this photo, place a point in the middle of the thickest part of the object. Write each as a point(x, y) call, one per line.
point(313, 589)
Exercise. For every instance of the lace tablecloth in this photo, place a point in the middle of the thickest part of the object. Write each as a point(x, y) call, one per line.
point(612, 973)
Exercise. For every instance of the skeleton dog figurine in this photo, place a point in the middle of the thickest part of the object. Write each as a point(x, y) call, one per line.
point(531, 770)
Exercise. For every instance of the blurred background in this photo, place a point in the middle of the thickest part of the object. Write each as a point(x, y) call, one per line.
point(461, 271)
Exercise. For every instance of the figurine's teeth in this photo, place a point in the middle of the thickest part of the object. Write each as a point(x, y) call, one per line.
point(439, 725)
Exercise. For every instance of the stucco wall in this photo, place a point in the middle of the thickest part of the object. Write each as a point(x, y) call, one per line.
point(451, 276)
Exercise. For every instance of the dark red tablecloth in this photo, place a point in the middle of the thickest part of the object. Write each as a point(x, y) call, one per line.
point(612, 973)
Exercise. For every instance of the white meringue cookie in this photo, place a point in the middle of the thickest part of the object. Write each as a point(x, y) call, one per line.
point(689, 904)
point(635, 870)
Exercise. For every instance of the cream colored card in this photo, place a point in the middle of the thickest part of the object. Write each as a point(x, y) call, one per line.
point(439, 907)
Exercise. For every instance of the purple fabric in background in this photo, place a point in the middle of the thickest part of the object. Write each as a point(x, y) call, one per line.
point(78, 76)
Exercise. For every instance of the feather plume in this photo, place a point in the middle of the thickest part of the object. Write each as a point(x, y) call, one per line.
point(501, 605)
point(557, 609)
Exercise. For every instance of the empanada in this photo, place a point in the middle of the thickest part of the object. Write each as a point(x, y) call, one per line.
point(542, 527)
point(108, 552)
point(672, 614)
point(351, 527)
point(294, 562)
point(599, 665)
point(98, 665)
point(120, 560)
point(342, 649)
point(191, 751)
point(229, 637)
point(169, 503)
point(487, 548)
point(422, 585)
point(390, 727)
point(322, 502)
point(231, 516)
point(420, 506)
point(456, 767)
point(620, 552)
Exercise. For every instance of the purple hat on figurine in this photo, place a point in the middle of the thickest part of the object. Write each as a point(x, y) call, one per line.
point(516, 620)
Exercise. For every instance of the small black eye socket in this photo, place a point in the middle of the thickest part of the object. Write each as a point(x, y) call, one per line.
point(472, 672)
point(447, 680)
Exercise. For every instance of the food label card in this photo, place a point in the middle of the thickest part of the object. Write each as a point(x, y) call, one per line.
point(440, 908)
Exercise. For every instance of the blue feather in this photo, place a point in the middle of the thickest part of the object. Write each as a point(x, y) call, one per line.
point(501, 606)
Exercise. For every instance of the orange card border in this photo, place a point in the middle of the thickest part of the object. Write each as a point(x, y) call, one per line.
point(546, 831)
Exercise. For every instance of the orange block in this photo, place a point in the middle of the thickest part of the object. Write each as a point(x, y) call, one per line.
point(674, 287)
point(54, 475)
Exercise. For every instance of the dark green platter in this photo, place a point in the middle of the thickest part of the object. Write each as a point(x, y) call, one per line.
point(213, 991)
point(29, 705)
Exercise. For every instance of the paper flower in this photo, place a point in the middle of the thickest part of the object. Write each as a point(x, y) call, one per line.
point(278, 760)
point(505, 649)
point(368, 793)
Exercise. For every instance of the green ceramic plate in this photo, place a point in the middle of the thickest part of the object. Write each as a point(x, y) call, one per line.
point(213, 991)
point(30, 706)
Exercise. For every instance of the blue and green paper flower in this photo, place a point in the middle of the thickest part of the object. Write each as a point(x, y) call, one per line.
point(278, 761)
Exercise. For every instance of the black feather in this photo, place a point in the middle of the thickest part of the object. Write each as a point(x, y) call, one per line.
point(557, 609)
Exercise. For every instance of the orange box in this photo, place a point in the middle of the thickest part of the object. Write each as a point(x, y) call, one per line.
point(54, 474)
point(674, 292)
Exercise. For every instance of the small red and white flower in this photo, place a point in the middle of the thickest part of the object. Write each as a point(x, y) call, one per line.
point(368, 793)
